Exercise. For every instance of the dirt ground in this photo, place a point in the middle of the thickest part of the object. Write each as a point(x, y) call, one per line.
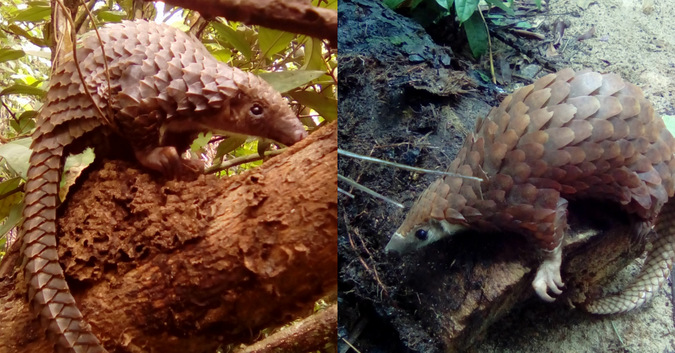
point(400, 100)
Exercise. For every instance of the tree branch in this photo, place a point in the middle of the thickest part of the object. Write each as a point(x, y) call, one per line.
point(175, 266)
point(296, 16)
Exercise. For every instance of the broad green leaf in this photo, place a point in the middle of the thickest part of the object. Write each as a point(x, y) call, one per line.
point(6, 203)
point(501, 5)
point(25, 123)
point(17, 153)
point(477, 35)
point(201, 141)
point(326, 107)
point(40, 42)
point(35, 12)
point(224, 55)
point(393, 4)
point(670, 123)
point(313, 55)
point(111, 16)
point(233, 37)
point(465, 8)
point(18, 88)
point(284, 81)
point(7, 54)
point(75, 165)
point(229, 145)
point(13, 219)
point(272, 41)
point(446, 4)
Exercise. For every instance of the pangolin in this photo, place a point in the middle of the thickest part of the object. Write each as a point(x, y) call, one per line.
point(567, 136)
point(147, 86)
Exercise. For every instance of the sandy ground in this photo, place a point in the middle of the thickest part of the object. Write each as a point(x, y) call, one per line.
point(635, 38)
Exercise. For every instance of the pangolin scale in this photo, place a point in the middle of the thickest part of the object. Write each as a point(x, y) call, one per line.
point(160, 89)
point(569, 136)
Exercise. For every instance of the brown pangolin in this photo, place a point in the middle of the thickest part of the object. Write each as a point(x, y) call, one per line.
point(148, 86)
point(568, 136)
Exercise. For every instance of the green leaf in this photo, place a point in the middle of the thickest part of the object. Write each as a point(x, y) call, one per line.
point(670, 123)
point(25, 123)
point(325, 106)
point(40, 42)
point(6, 203)
point(229, 145)
point(201, 141)
point(477, 35)
point(7, 54)
point(284, 81)
point(393, 4)
point(272, 41)
point(35, 12)
point(233, 37)
point(111, 16)
point(465, 8)
point(446, 4)
point(313, 55)
point(13, 219)
point(73, 168)
point(17, 154)
point(224, 55)
point(502, 6)
point(23, 89)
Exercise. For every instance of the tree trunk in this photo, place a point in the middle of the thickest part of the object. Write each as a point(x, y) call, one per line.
point(185, 266)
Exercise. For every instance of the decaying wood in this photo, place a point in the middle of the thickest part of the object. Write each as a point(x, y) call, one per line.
point(175, 266)
point(462, 287)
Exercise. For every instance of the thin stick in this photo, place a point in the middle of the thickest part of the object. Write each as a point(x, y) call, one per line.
point(368, 191)
point(403, 166)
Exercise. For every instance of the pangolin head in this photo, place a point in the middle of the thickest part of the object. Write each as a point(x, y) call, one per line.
point(426, 221)
point(259, 110)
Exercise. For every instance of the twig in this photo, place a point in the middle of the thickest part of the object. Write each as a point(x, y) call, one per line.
point(241, 160)
point(368, 191)
point(403, 166)
point(310, 334)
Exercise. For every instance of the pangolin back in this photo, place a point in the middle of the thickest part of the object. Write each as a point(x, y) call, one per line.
point(147, 83)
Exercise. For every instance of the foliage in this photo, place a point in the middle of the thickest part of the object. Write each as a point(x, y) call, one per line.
point(300, 66)
point(467, 12)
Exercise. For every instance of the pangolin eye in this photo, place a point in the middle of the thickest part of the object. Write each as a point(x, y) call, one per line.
point(421, 234)
point(256, 110)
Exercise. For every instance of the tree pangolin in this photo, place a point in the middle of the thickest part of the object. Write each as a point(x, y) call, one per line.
point(569, 135)
point(148, 86)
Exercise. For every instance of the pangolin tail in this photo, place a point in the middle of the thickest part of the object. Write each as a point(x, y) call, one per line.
point(48, 291)
point(654, 273)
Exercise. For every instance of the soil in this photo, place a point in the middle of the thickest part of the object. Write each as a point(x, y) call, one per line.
point(410, 95)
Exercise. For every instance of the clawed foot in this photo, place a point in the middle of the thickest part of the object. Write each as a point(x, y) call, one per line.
point(166, 160)
point(548, 276)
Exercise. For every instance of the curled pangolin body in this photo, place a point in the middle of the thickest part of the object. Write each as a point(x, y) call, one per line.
point(567, 136)
point(160, 87)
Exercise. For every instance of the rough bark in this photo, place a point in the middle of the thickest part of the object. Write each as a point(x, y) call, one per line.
point(297, 16)
point(175, 266)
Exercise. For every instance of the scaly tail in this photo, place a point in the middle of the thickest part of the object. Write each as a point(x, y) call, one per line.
point(47, 288)
point(654, 272)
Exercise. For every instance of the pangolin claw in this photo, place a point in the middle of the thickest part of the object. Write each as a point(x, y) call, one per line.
point(548, 276)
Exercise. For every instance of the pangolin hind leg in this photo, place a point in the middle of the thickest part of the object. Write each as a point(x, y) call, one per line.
point(654, 273)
